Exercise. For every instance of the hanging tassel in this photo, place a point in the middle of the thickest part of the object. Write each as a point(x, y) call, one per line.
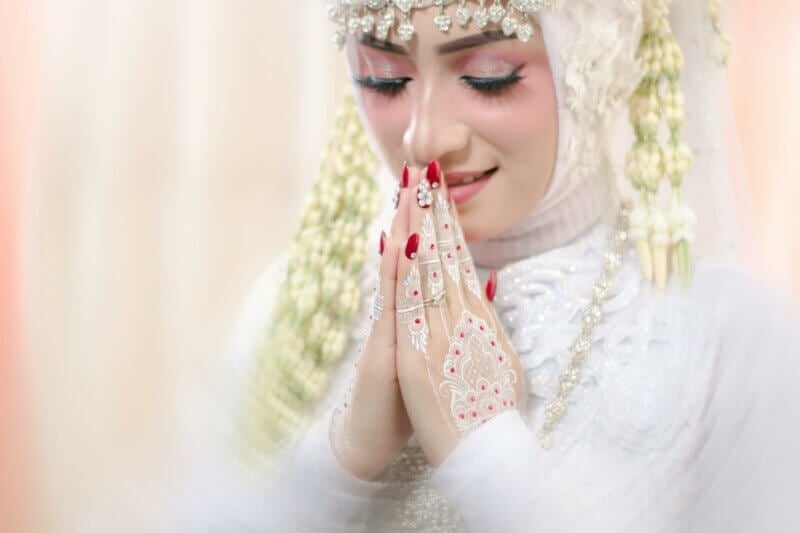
point(663, 240)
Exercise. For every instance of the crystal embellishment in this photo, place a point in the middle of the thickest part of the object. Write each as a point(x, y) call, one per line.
point(463, 15)
point(367, 23)
point(496, 12)
point(405, 31)
point(381, 16)
point(443, 22)
point(481, 18)
point(385, 24)
point(592, 315)
point(404, 5)
point(525, 32)
point(528, 6)
point(353, 26)
point(510, 26)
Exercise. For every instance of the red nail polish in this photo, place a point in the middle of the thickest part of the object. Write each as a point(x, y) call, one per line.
point(491, 286)
point(382, 246)
point(412, 246)
point(404, 180)
point(434, 175)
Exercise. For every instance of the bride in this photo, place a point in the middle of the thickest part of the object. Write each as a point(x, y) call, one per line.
point(533, 334)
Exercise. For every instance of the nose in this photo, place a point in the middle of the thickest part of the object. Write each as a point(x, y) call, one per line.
point(435, 130)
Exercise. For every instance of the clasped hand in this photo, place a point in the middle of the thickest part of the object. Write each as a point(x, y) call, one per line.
point(436, 362)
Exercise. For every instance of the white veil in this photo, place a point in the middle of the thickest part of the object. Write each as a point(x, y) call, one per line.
point(716, 185)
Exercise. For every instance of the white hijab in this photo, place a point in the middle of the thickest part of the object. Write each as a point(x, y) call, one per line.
point(591, 46)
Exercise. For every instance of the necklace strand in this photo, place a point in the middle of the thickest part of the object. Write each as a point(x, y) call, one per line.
point(591, 315)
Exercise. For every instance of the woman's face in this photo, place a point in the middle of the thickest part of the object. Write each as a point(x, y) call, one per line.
point(482, 105)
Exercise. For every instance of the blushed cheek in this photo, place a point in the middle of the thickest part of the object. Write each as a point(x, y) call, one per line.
point(527, 118)
point(524, 132)
point(527, 135)
point(387, 120)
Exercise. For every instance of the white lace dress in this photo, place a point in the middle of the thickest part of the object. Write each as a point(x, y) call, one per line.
point(685, 418)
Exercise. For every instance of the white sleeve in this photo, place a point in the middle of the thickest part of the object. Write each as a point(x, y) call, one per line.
point(313, 492)
point(736, 469)
point(749, 456)
point(489, 478)
point(308, 490)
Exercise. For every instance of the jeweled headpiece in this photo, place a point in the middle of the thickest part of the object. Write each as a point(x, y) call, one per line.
point(380, 16)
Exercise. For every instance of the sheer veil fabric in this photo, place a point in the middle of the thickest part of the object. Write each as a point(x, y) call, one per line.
point(683, 420)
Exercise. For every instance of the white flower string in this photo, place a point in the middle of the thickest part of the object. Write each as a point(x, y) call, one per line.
point(592, 315)
point(663, 237)
point(723, 42)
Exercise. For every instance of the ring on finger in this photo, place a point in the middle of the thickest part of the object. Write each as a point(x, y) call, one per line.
point(424, 194)
point(435, 300)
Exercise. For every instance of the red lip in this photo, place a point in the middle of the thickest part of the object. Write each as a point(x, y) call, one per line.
point(461, 193)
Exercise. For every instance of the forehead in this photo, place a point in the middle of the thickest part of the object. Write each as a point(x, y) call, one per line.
point(444, 45)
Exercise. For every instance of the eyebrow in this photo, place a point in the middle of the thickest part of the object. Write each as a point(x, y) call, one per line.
point(472, 41)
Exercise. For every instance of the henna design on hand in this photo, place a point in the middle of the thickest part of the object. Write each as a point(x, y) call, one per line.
point(479, 378)
point(411, 312)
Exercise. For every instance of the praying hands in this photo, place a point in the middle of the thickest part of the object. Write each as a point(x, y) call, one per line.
point(436, 362)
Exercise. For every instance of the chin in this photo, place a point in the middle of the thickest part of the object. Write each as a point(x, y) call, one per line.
point(482, 217)
point(475, 228)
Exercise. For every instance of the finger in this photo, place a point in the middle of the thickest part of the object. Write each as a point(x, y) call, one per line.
point(473, 294)
point(490, 291)
point(399, 231)
point(383, 334)
point(446, 239)
point(430, 268)
point(412, 325)
point(467, 275)
point(470, 294)
point(466, 266)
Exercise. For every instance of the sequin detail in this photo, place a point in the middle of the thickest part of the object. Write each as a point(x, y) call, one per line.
point(408, 502)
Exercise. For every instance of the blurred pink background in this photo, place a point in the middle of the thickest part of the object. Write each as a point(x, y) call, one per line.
point(153, 160)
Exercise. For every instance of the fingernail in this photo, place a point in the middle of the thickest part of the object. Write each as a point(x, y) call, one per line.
point(491, 286)
point(412, 245)
point(382, 246)
point(434, 175)
point(404, 180)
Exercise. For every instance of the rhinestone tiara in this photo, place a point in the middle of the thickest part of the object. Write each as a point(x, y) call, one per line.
point(380, 16)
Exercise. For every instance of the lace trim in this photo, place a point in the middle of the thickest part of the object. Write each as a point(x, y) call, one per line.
point(539, 302)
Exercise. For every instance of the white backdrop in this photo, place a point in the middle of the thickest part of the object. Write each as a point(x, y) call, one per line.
point(178, 139)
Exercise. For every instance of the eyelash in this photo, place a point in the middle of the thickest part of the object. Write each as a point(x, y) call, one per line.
point(391, 87)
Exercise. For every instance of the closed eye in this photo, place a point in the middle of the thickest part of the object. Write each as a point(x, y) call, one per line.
point(493, 85)
point(385, 86)
point(392, 87)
